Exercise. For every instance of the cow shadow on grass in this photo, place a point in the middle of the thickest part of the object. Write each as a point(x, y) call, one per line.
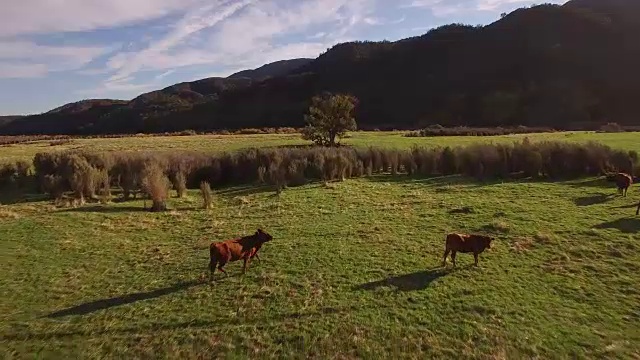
point(630, 225)
point(593, 199)
point(97, 305)
point(410, 282)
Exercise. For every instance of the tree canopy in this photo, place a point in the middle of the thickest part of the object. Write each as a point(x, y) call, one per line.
point(330, 117)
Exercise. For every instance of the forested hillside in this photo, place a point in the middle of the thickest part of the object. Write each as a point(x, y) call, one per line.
point(562, 66)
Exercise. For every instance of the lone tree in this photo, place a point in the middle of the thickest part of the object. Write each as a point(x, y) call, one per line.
point(330, 117)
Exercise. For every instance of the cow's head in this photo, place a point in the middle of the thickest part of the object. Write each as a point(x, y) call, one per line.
point(487, 241)
point(263, 236)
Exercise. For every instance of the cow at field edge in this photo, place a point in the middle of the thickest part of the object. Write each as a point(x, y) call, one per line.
point(465, 243)
point(244, 248)
point(623, 181)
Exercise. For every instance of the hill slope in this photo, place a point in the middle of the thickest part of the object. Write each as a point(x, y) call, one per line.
point(278, 68)
point(547, 65)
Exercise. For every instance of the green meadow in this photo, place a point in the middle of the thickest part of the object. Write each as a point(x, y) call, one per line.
point(354, 270)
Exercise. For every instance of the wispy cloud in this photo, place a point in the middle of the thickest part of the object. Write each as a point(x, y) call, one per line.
point(164, 74)
point(44, 16)
point(28, 59)
point(242, 34)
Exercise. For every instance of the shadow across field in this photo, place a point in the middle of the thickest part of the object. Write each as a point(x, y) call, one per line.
point(626, 225)
point(103, 304)
point(409, 282)
point(594, 199)
point(264, 323)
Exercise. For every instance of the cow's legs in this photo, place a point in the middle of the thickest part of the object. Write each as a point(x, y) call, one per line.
point(444, 258)
point(246, 264)
point(257, 257)
point(475, 257)
point(212, 269)
point(220, 267)
point(453, 258)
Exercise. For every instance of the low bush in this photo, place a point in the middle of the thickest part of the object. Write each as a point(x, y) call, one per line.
point(438, 130)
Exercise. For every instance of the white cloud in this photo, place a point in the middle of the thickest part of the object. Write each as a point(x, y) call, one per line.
point(46, 16)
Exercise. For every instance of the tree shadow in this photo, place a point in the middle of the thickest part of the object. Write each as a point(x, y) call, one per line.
point(409, 282)
point(93, 306)
point(12, 196)
point(594, 199)
point(625, 225)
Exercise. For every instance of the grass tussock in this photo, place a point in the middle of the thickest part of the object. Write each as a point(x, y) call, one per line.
point(156, 185)
point(207, 195)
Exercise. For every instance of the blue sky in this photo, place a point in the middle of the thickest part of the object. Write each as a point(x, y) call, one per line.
point(57, 51)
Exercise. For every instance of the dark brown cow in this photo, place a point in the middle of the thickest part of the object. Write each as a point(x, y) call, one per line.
point(244, 248)
point(464, 243)
point(623, 181)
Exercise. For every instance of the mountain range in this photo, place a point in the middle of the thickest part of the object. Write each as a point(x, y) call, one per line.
point(564, 66)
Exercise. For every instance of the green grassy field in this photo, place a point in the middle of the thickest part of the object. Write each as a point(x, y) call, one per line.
point(354, 271)
point(216, 143)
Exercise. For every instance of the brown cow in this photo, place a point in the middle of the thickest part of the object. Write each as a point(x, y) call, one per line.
point(623, 181)
point(464, 243)
point(244, 248)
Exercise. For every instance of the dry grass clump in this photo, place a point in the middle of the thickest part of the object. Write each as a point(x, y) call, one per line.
point(207, 195)
point(156, 185)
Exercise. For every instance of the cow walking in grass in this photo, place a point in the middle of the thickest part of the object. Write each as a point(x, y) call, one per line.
point(244, 248)
point(623, 181)
point(465, 243)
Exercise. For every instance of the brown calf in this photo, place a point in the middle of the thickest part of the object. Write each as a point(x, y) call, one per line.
point(623, 181)
point(464, 243)
point(244, 248)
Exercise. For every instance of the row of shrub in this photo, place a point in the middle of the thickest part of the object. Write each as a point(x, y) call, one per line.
point(20, 139)
point(63, 139)
point(617, 128)
point(90, 175)
point(438, 130)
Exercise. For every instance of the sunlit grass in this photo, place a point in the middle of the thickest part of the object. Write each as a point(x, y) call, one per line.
point(353, 272)
point(217, 143)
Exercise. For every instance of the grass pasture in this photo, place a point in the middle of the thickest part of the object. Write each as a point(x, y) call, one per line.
point(354, 270)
